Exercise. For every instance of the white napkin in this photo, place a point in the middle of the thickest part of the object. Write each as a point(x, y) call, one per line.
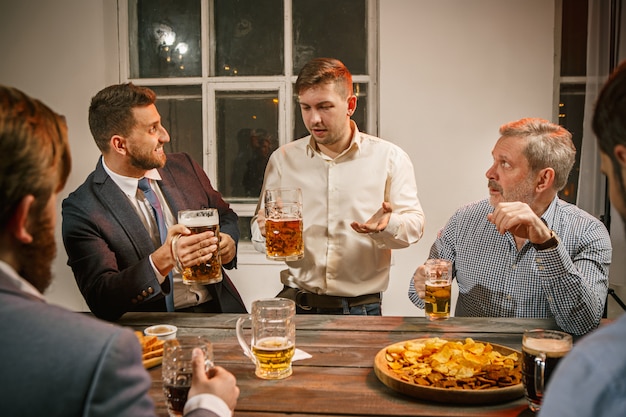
point(300, 354)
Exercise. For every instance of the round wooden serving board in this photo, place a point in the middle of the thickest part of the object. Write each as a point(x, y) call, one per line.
point(446, 395)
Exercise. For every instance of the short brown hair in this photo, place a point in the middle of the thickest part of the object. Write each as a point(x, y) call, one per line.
point(110, 112)
point(325, 70)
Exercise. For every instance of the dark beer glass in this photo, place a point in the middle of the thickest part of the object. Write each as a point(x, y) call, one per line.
point(542, 350)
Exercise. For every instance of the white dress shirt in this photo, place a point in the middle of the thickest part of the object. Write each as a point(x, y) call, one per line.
point(335, 192)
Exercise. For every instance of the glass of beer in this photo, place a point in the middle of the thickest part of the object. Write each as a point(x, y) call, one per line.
point(541, 352)
point(273, 341)
point(199, 221)
point(283, 224)
point(177, 370)
point(438, 289)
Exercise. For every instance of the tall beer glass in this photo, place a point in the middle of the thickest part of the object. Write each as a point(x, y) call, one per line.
point(438, 289)
point(541, 352)
point(283, 224)
point(199, 221)
point(273, 339)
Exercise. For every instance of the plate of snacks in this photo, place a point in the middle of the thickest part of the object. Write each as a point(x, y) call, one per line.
point(151, 350)
point(451, 371)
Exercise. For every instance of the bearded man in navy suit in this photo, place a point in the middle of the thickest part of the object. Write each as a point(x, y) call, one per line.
point(110, 232)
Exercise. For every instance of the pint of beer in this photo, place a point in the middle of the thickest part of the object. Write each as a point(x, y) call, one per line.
point(438, 289)
point(283, 225)
point(273, 339)
point(541, 352)
point(199, 221)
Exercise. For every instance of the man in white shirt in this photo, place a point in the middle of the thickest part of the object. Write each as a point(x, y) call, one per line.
point(91, 367)
point(359, 199)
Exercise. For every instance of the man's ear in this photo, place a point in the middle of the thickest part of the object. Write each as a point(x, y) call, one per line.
point(351, 104)
point(18, 222)
point(545, 179)
point(620, 154)
point(118, 144)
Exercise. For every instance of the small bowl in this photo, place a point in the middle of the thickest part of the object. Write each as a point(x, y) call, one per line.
point(161, 331)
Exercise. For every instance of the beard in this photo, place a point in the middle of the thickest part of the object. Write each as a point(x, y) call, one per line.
point(524, 192)
point(146, 159)
point(35, 259)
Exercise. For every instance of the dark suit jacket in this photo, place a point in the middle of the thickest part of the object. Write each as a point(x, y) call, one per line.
point(57, 363)
point(108, 246)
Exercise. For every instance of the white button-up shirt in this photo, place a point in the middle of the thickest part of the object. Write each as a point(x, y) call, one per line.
point(335, 192)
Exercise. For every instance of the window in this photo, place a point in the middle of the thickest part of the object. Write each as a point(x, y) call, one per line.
point(224, 71)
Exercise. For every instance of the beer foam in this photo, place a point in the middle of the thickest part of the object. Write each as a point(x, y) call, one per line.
point(199, 221)
point(551, 347)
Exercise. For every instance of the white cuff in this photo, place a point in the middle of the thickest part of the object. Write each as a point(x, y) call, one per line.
point(208, 402)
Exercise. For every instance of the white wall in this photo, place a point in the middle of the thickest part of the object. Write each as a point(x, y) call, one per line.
point(451, 72)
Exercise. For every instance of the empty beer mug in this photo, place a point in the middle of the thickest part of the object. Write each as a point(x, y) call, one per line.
point(199, 221)
point(273, 339)
point(283, 224)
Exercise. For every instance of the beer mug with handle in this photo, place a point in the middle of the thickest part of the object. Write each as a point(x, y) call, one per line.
point(198, 221)
point(273, 341)
point(283, 224)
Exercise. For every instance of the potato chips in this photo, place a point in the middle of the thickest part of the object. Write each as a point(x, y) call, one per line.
point(465, 364)
point(151, 349)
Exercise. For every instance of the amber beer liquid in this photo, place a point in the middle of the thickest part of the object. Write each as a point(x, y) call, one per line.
point(199, 221)
point(283, 239)
point(437, 299)
point(274, 356)
point(538, 353)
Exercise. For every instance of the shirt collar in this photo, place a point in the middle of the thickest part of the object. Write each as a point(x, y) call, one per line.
point(355, 143)
point(20, 282)
point(548, 215)
point(129, 184)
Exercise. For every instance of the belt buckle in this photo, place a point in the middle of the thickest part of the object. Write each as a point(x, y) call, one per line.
point(299, 297)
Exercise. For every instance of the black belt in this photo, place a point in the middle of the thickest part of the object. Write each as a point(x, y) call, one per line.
point(307, 300)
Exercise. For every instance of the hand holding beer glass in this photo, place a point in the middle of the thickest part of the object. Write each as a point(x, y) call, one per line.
point(283, 225)
point(438, 289)
point(177, 371)
point(541, 352)
point(273, 337)
point(199, 221)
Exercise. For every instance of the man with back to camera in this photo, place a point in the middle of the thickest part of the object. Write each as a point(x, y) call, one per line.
point(345, 176)
point(523, 252)
point(59, 363)
point(109, 227)
point(591, 380)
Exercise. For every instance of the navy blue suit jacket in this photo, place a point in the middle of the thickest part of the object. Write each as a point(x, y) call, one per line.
point(108, 246)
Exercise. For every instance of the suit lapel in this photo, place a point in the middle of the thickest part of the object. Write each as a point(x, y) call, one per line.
point(122, 211)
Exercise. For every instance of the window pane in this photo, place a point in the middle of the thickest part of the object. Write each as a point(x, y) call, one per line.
point(571, 116)
point(359, 116)
point(249, 37)
point(313, 36)
point(164, 38)
point(247, 132)
point(180, 108)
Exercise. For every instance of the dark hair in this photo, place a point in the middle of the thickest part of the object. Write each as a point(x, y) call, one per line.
point(110, 112)
point(35, 151)
point(609, 119)
point(325, 70)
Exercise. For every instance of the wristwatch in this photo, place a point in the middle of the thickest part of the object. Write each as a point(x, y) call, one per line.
point(548, 244)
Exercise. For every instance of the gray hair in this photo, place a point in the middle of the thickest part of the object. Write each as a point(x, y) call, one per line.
point(548, 146)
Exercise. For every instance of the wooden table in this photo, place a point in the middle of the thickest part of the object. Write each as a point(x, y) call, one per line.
point(339, 379)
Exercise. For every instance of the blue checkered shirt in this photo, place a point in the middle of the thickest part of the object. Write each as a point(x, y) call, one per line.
point(568, 283)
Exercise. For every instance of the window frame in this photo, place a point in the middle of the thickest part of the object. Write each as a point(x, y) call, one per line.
point(282, 83)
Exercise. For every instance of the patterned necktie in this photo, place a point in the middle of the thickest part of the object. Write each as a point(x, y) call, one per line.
point(144, 186)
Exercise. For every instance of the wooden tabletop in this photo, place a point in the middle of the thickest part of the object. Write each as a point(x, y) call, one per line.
point(339, 379)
